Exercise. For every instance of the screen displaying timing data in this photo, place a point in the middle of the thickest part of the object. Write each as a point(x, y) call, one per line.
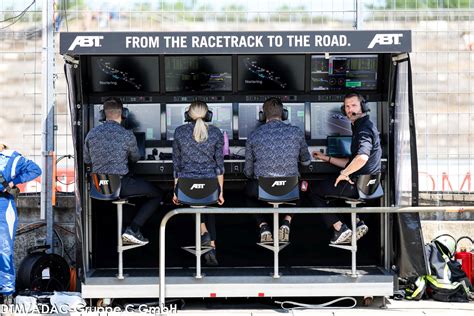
point(198, 73)
point(327, 120)
point(248, 117)
point(221, 117)
point(358, 72)
point(141, 118)
point(124, 73)
point(271, 72)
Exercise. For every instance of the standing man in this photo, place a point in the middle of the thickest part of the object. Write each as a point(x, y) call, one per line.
point(273, 150)
point(14, 169)
point(109, 147)
point(366, 154)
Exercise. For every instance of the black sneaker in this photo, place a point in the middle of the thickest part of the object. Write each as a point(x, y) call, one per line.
point(284, 232)
point(341, 236)
point(131, 237)
point(265, 234)
point(361, 229)
point(206, 240)
point(210, 258)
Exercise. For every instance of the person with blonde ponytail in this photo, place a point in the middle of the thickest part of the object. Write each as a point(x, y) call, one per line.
point(198, 154)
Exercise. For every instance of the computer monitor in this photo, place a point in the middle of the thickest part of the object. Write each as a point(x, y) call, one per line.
point(342, 72)
point(140, 136)
point(142, 118)
point(222, 117)
point(339, 146)
point(327, 120)
point(198, 73)
point(271, 72)
point(248, 117)
point(124, 74)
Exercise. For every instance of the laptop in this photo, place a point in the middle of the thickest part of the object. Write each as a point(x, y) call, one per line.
point(339, 146)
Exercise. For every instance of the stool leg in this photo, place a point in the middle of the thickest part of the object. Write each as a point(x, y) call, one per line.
point(276, 244)
point(198, 246)
point(119, 241)
point(354, 243)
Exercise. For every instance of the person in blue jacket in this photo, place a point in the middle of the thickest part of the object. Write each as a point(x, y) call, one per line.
point(14, 169)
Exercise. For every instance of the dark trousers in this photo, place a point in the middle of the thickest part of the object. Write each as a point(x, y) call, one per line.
point(135, 186)
point(208, 219)
point(321, 188)
point(251, 200)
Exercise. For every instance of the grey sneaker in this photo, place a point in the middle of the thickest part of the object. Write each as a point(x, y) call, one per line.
point(284, 232)
point(131, 237)
point(265, 234)
point(341, 236)
point(361, 229)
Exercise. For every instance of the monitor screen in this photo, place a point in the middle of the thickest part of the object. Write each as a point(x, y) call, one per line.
point(248, 117)
point(327, 120)
point(141, 118)
point(124, 73)
point(221, 117)
point(358, 72)
point(198, 73)
point(271, 72)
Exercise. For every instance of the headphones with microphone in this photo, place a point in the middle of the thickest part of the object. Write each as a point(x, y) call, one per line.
point(207, 118)
point(125, 111)
point(276, 101)
point(363, 103)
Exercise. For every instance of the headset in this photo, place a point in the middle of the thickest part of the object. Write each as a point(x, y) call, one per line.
point(363, 104)
point(284, 113)
point(207, 118)
point(125, 111)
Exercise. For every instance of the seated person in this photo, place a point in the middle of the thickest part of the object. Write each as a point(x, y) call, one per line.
point(366, 153)
point(109, 147)
point(273, 150)
point(198, 154)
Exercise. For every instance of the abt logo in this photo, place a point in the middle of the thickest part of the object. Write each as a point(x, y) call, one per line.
point(371, 182)
point(198, 186)
point(86, 41)
point(385, 39)
point(103, 182)
point(279, 183)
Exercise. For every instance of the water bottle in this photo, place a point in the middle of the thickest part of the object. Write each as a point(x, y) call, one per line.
point(226, 150)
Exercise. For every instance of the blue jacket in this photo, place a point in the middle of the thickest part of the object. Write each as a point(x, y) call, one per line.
point(16, 168)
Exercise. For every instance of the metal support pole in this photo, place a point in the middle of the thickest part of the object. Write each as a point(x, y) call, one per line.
point(276, 245)
point(47, 137)
point(357, 20)
point(119, 241)
point(198, 246)
point(354, 244)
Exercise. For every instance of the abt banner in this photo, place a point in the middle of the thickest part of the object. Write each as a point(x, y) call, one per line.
point(393, 41)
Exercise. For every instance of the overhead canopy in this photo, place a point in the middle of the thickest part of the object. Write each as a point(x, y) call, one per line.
point(287, 42)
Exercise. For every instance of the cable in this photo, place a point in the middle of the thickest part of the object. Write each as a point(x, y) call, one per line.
point(57, 178)
point(300, 306)
point(18, 17)
point(22, 12)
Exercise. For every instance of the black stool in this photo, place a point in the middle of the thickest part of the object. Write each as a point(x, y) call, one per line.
point(369, 188)
point(106, 187)
point(197, 193)
point(277, 191)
